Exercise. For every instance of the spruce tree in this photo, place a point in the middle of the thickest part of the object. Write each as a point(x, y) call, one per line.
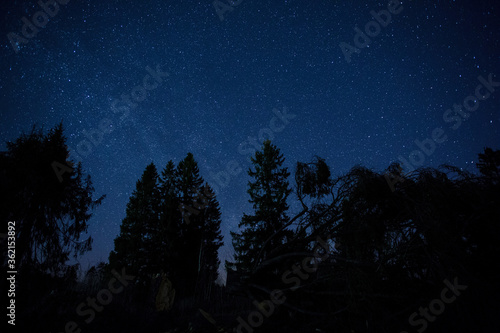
point(262, 232)
point(211, 238)
point(172, 225)
point(199, 230)
point(135, 246)
point(170, 218)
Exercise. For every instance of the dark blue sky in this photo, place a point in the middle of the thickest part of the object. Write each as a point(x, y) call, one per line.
point(226, 77)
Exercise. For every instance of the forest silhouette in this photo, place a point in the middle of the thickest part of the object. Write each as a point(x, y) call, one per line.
point(367, 251)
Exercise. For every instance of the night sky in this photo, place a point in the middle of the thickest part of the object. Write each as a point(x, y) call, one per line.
point(218, 84)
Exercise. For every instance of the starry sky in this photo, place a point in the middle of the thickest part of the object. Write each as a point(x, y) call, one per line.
point(159, 79)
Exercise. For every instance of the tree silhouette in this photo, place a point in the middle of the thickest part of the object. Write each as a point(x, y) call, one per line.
point(395, 246)
point(262, 233)
point(50, 215)
point(156, 235)
point(489, 164)
point(136, 245)
point(199, 229)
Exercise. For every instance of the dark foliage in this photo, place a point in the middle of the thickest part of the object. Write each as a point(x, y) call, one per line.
point(367, 251)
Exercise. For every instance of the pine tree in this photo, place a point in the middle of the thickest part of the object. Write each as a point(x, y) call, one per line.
point(263, 232)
